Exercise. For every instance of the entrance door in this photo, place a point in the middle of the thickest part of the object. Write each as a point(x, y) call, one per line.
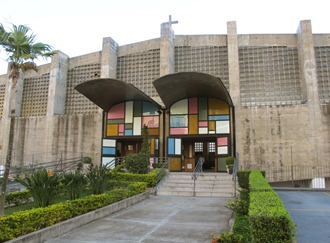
point(189, 156)
point(129, 148)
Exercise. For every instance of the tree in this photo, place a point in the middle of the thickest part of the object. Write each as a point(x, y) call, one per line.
point(22, 50)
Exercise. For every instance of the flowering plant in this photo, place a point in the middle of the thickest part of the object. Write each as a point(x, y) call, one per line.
point(227, 237)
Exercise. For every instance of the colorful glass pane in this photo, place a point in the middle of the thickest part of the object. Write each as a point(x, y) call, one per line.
point(193, 106)
point(149, 109)
point(117, 111)
point(151, 121)
point(129, 112)
point(180, 107)
point(112, 130)
point(179, 130)
point(202, 109)
point(179, 121)
point(218, 107)
point(223, 141)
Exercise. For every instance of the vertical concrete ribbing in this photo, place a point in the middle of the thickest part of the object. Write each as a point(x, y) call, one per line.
point(166, 50)
point(57, 84)
point(309, 86)
point(109, 58)
point(233, 63)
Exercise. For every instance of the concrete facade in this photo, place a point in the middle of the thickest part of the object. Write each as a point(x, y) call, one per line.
point(279, 85)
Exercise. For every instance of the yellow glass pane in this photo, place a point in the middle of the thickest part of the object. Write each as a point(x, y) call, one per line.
point(193, 124)
point(152, 146)
point(112, 130)
point(175, 164)
point(218, 107)
point(211, 125)
point(153, 131)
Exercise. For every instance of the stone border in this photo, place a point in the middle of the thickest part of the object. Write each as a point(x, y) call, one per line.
point(73, 223)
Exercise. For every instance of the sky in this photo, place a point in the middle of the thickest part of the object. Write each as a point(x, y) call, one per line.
point(77, 27)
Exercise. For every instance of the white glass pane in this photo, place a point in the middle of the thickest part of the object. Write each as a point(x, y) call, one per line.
point(137, 126)
point(180, 107)
point(109, 142)
point(223, 150)
point(222, 126)
point(107, 160)
point(177, 146)
point(129, 112)
point(179, 121)
point(202, 130)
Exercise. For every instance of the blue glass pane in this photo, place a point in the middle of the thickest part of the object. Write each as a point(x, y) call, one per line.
point(107, 150)
point(149, 109)
point(128, 132)
point(179, 121)
point(170, 146)
point(219, 118)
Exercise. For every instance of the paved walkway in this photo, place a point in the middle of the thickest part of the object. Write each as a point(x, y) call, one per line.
point(157, 219)
point(310, 211)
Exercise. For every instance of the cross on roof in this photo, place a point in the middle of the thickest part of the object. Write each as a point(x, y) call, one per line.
point(170, 22)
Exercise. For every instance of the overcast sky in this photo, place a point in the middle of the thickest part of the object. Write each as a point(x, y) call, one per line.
point(76, 27)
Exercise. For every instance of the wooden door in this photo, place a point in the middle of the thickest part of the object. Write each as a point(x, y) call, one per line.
point(189, 156)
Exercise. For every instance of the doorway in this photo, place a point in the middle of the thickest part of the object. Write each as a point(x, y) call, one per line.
point(193, 149)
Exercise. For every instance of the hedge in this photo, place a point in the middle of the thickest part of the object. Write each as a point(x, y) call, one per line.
point(18, 198)
point(23, 222)
point(269, 220)
point(126, 178)
point(257, 182)
point(243, 178)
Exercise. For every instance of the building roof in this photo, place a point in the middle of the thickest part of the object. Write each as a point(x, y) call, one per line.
point(174, 87)
point(106, 92)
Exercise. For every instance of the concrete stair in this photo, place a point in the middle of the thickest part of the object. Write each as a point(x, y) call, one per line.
point(206, 185)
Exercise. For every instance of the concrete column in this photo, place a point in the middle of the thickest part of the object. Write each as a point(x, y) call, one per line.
point(166, 49)
point(57, 84)
point(307, 62)
point(109, 58)
point(11, 107)
point(233, 63)
point(309, 87)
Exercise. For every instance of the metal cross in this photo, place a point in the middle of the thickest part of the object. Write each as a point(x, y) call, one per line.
point(170, 22)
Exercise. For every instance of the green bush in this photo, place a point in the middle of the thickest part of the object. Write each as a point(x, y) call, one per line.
point(137, 163)
point(243, 178)
point(43, 187)
point(98, 178)
point(125, 178)
point(242, 227)
point(257, 182)
point(230, 160)
point(269, 220)
point(227, 237)
point(24, 222)
point(18, 198)
point(74, 182)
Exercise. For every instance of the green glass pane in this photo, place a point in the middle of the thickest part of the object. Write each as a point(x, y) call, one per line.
point(138, 108)
point(202, 108)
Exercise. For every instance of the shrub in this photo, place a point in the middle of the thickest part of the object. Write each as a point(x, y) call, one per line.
point(98, 177)
point(18, 198)
point(74, 183)
point(257, 182)
point(243, 178)
point(125, 178)
point(230, 160)
point(269, 221)
point(242, 227)
point(227, 237)
point(43, 187)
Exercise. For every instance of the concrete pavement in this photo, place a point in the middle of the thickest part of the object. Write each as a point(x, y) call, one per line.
point(161, 219)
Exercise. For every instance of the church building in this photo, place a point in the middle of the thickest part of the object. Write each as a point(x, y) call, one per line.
point(263, 96)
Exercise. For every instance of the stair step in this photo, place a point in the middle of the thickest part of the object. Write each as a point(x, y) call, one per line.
point(206, 185)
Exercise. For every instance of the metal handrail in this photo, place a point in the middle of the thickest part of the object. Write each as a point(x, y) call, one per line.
point(197, 171)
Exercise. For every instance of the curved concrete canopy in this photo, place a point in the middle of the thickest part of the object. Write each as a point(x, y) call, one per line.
point(174, 87)
point(107, 92)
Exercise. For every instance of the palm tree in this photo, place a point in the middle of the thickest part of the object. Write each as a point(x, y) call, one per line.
point(22, 51)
